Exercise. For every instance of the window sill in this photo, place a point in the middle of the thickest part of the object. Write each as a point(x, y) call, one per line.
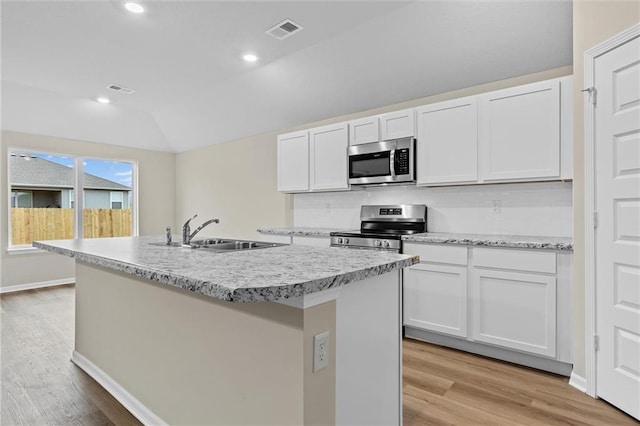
point(25, 250)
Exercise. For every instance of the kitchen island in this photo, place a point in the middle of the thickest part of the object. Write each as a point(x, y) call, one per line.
point(192, 336)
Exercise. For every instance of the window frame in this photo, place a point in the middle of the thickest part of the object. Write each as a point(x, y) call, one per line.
point(78, 201)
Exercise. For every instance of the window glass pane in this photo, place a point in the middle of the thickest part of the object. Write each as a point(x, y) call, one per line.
point(108, 187)
point(39, 184)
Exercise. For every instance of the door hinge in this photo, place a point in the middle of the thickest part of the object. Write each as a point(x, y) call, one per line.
point(593, 94)
point(595, 219)
point(596, 342)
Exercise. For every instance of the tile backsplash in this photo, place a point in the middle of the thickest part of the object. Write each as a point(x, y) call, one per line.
point(539, 208)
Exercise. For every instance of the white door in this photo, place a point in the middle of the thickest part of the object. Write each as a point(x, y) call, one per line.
point(435, 298)
point(328, 157)
point(397, 124)
point(447, 147)
point(617, 237)
point(519, 132)
point(293, 162)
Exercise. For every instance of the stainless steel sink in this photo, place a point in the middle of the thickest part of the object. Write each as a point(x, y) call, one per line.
point(222, 245)
point(242, 245)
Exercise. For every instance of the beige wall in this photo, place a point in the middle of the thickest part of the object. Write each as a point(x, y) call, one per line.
point(156, 177)
point(236, 181)
point(261, 353)
point(593, 23)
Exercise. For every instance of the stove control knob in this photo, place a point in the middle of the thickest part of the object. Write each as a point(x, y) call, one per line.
point(386, 244)
point(378, 243)
point(339, 240)
point(346, 241)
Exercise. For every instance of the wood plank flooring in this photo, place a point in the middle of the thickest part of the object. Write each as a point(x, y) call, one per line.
point(40, 386)
point(444, 386)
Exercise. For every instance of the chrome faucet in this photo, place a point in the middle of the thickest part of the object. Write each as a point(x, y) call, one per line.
point(187, 235)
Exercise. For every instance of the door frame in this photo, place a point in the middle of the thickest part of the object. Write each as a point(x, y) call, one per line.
point(590, 56)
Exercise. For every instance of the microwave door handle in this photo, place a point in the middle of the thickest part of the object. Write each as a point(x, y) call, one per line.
point(392, 162)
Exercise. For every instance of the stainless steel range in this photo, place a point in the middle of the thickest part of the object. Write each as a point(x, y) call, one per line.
point(382, 227)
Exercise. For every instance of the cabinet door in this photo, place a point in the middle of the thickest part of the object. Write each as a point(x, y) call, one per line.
point(520, 132)
point(515, 310)
point(293, 162)
point(364, 130)
point(435, 298)
point(397, 124)
point(447, 146)
point(328, 157)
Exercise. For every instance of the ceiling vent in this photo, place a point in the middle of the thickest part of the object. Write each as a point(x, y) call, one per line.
point(120, 89)
point(284, 29)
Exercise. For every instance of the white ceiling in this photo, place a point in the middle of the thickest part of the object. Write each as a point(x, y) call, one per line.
point(183, 58)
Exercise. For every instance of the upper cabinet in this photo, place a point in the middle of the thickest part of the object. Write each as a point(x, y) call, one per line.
point(328, 157)
point(397, 124)
point(364, 130)
point(313, 160)
point(293, 162)
point(519, 132)
point(447, 146)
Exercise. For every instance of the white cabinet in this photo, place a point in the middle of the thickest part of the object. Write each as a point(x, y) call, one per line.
point(313, 160)
point(519, 132)
point(447, 146)
point(516, 310)
point(512, 304)
point(435, 298)
point(397, 124)
point(364, 130)
point(328, 157)
point(435, 290)
point(293, 162)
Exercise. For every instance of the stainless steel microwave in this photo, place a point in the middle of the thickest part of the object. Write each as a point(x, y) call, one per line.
point(391, 161)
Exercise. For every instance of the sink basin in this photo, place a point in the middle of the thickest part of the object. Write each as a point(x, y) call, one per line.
point(242, 245)
point(222, 245)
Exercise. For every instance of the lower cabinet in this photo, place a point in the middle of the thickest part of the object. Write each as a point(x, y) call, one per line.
point(495, 301)
point(436, 298)
point(515, 310)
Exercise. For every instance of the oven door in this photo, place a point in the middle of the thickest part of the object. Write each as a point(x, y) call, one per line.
point(371, 163)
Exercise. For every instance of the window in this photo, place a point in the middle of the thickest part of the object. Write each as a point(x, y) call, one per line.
point(116, 200)
point(46, 189)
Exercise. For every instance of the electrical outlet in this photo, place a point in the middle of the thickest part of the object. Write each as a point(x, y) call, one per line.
point(320, 351)
point(496, 206)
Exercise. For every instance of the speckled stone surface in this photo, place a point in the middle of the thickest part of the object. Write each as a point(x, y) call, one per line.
point(268, 274)
point(515, 241)
point(298, 231)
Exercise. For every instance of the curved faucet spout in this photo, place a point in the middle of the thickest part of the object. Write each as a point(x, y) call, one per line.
point(199, 228)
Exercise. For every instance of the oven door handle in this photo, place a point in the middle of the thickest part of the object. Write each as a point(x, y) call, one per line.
point(392, 163)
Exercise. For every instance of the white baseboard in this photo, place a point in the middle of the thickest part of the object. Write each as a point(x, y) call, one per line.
point(578, 382)
point(128, 401)
point(41, 284)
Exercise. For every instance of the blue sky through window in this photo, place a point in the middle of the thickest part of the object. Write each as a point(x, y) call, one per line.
point(115, 171)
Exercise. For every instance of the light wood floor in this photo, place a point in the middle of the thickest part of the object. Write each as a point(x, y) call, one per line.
point(40, 386)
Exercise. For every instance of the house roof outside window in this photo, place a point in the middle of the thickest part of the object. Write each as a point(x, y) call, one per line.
point(35, 172)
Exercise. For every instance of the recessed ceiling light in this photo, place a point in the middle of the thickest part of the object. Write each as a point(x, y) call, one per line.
point(103, 100)
point(134, 7)
point(250, 57)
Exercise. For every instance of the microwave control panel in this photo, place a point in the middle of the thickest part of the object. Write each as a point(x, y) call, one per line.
point(402, 161)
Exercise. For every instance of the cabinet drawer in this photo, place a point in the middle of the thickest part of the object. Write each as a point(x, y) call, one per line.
point(523, 260)
point(435, 253)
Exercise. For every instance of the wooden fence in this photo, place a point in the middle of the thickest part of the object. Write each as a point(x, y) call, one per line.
point(28, 225)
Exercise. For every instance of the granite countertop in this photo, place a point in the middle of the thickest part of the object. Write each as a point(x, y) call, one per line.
point(298, 231)
point(514, 241)
point(267, 274)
